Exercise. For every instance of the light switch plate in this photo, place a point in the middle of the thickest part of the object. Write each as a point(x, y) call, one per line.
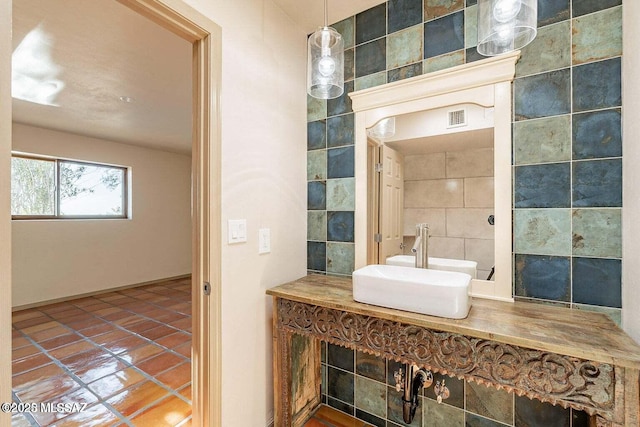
point(237, 230)
point(264, 241)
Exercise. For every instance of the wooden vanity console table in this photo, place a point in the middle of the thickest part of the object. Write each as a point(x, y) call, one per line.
point(571, 358)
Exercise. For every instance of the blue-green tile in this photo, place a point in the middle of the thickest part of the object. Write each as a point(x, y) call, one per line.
point(371, 24)
point(442, 62)
point(597, 134)
point(316, 165)
point(597, 36)
point(316, 109)
point(371, 366)
point(489, 402)
point(371, 57)
point(543, 186)
point(582, 7)
point(550, 50)
point(542, 231)
point(439, 415)
point(349, 64)
point(402, 14)
point(340, 162)
point(597, 85)
point(371, 396)
point(340, 385)
point(372, 80)
point(340, 226)
point(550, 11)
point(346, 30)
point(444, 35)
point(340, 130)
point(317, 135)
point(405, 72)
point(471, 27)
point(317, 225)
point(597, 183)
point(316, 195)
point(597, 233)
point(542, 95)
point(404, 47)
point(597, 281)
point(543, 140)
point(341, 194)
point(543, 277)
point(436, 8)
point(341, 104)
point(340, 258)
point(533, 413)
point(316, 256)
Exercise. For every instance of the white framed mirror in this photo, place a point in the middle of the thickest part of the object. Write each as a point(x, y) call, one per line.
point(484, 85)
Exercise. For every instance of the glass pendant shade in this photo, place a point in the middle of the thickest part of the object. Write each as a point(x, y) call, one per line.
point(325, 64)
point(506, 25)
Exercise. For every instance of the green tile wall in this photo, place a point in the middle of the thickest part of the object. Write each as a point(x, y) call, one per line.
point(566, 133)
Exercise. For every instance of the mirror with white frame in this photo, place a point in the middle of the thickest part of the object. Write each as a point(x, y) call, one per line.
point(483, 86)
point(435, 167)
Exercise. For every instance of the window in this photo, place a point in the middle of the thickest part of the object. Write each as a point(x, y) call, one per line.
point(55, 188)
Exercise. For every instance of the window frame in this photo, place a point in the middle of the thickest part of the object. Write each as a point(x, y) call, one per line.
point(57, 215)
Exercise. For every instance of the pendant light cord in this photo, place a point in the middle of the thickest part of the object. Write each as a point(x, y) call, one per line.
point(326, 16)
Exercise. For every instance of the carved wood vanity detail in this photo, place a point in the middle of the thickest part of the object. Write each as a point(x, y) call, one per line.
point(571, 358)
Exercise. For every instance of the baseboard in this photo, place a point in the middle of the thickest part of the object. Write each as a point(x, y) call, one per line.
point(90, 294)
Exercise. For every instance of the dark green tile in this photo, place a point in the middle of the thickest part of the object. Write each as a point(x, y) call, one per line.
point(444, 35)
point(597, 183)
point(316, 256)
point(340, 357)
point(543, 277)
point(543, 95)
point(371, 24)
point(489, 402)
point(582, 7)
point(597, 85)
point(371, 396)
point(533, 413)
point(597, 281)
point(340, 226)
point(341, 104)
point(316, 195)
point(340, 130)
point(597, 134)
point(371, 57)
point(402, 14)
point(550, 11)
point(340, 385)
point(317, 135)
point(371, 366)
point(405, 72)
point(340, 162)
point(473, 420)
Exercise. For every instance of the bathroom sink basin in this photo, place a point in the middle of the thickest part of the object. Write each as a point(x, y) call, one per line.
point(445, 264)
point(425, 291)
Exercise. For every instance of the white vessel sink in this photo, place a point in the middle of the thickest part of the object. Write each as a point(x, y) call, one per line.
point(445, 264)
point(425, 291)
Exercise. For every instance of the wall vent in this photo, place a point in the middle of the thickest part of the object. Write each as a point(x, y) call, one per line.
point(457, 118)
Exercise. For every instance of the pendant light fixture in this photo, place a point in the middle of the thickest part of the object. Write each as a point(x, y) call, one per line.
point(325, 62)
point(506, 25)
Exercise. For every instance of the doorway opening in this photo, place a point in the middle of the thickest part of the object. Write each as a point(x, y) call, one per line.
point(205, 37)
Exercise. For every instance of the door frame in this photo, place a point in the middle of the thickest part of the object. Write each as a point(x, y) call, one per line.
point(206, 38)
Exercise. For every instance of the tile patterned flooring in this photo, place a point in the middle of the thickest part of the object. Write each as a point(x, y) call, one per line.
point(329, 417)
point(126, 354)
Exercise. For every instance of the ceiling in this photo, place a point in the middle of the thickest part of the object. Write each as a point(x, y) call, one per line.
point(80, 58)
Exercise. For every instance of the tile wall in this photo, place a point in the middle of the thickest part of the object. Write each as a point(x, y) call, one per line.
point(453, 193)
point(363, 386)
point(567, 179)
point(567, 142)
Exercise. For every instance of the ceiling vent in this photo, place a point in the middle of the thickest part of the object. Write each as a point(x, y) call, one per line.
point(457, 118)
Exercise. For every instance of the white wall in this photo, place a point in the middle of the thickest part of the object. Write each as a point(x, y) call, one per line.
point(631, 173)
point(264, 182)
point(5, 218)
point(54, 259)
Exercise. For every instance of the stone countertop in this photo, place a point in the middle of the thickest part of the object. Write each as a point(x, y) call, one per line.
point(576, 333)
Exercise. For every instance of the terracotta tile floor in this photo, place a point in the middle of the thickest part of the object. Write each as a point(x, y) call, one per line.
point(126, 354)
point(329, 417)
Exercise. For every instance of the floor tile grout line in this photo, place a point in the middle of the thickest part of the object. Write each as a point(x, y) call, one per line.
point(83, 385)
